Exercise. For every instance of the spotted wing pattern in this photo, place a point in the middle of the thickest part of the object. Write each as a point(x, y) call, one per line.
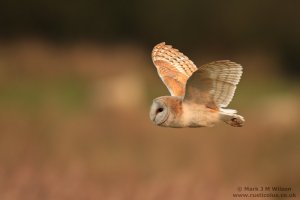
point(214, 83)
point(173, 67)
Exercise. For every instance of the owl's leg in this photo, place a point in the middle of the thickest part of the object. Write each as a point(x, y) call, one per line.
point(232, 119)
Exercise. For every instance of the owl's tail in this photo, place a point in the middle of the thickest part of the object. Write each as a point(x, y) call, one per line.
point(230, 117)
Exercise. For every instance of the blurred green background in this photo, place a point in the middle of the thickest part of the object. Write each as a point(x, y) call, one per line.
point(77, 81)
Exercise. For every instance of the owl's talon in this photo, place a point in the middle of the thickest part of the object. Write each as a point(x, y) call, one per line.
point(237, 121)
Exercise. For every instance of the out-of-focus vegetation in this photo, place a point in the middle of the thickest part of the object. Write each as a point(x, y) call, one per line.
point(76, 83)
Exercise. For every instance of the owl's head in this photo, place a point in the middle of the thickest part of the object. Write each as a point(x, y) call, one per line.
point(164, 110)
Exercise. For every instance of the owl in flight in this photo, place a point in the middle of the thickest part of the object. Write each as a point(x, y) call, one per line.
point(199, 96)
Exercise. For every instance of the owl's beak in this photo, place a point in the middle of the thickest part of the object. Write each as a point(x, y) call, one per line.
point(152, 117)
point(153, 109)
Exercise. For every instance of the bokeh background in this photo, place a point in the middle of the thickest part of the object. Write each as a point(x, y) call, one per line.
point(77, 81)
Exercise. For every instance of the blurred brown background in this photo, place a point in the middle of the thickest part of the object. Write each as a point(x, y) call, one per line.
point(77, 80)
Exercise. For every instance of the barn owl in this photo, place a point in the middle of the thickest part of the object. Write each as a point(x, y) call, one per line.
point(199, 96)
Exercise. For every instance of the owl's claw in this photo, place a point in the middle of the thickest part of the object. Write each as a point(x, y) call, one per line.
point(236, 121)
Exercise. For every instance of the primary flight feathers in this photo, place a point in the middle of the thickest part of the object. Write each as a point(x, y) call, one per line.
point(212, 84)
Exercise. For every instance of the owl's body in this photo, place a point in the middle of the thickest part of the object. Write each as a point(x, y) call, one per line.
point(199, 95)
point(198, 115)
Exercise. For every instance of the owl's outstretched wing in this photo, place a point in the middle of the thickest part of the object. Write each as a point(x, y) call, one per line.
point(173, 67)
point(214, 84)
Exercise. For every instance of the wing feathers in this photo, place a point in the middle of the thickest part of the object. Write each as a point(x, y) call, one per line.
point(172, 64)
point(226, 76)
point(223, 77)
point(211, 84)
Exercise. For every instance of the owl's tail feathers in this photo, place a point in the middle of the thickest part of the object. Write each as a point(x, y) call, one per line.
point(227, 111)
point(230, 117)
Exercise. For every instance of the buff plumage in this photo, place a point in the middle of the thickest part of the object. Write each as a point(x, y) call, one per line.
point(198, 95)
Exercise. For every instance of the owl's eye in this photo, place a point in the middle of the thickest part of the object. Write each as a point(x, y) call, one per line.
point(159, 110)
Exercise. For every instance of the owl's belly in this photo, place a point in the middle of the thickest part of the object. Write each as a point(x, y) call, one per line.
point(195, 115)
